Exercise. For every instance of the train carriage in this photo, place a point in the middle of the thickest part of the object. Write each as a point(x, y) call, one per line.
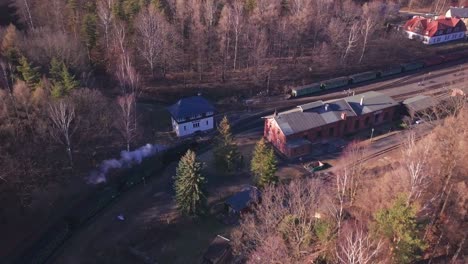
point(306, 89)
point(44, 248)
point(363, 77)
point(336, 83)
point(84, 211)
point(412, 66)
point(390, 71)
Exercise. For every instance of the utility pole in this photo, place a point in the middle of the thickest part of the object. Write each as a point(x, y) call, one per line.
point(372, 134)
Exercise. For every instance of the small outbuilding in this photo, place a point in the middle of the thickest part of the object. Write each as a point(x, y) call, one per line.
point(241, 201)
point(218, 252)
point(192, 114)
point(419, 105)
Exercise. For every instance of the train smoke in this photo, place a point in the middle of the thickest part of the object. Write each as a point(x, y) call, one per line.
point(127, 160)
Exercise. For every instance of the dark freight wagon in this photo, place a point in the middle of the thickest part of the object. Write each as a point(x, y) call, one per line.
point(362, 77)
point(390, 71)
point(336, 83)
point(47, 245)
point(412, 66)
point(306, 89)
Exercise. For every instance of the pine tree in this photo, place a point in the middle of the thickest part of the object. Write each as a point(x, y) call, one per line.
point(263, 164)
point(63, 82)
point(55, 69)
point(89, 30)
point(226, 154)
point(398, 225)
point(68, 80)
point(131, 8)
point(189, 185)
point(250, 5)
point(27, 73)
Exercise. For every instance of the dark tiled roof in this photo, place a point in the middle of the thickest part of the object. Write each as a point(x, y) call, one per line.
point(372, 101)
point(319, 113)
point(459, 12)
point(419, 103)
point(190, 106)
point(241, 200)
point(327, 113)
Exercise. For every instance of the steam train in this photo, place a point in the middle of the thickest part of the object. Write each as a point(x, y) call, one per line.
point(81, 214)
point(342, 82)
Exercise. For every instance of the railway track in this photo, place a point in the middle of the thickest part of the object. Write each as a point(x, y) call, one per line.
point(388, 149)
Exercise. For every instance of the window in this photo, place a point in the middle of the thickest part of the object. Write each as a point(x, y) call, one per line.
point(185, 128)
point(385, 117)
point(366, 121)
point(331, 131)
point(195, 125)
point(206, 122)
point(376, 118)
point(319, 134)
point(356, 124)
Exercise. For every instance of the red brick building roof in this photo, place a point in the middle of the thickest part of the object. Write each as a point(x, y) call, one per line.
point(434, 27)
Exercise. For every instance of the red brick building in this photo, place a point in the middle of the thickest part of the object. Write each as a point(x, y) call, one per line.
point(293, 132)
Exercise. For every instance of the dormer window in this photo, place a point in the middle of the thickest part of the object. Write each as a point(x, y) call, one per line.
point(449, 30)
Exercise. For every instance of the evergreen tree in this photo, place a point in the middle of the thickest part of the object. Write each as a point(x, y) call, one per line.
point(226, 154)
point(263, 164)
point(63, 82)
point(55, 69)
point(89, 30)
point(68, 80)
point(250, 5)
point(131, 8)
point(284, 7)
point(27, 73)
point(189, 185)
point(398, 225)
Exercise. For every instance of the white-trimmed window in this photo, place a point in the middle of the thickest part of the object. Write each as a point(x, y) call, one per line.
point(195, 125)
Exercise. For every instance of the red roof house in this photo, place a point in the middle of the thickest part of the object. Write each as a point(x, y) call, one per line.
point(435, 31)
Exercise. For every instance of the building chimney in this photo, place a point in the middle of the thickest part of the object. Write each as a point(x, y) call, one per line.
point(343, 116)
point(362, 101)
point(326, 107)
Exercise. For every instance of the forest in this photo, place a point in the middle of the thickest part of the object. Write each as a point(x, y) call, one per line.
point(73, 71)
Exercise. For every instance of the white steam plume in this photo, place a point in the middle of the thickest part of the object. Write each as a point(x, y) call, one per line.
point(127, 159)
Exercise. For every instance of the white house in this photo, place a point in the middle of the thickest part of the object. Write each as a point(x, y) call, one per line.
point(435, 31)
point(192, 114)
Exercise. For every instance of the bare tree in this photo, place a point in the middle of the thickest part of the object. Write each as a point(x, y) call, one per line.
point(237, 13)
point(369, 22)
point(352, 41)
point(415, 160)
point(62, 115)
point(342, 197)
point(151, 39)
point(125, 123)
point(106, 17)
point(284, 220)
point(357, 247)
point(24, 8)
point(352, 159)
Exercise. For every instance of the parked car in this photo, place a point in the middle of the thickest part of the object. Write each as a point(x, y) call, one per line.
point(316, 166)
